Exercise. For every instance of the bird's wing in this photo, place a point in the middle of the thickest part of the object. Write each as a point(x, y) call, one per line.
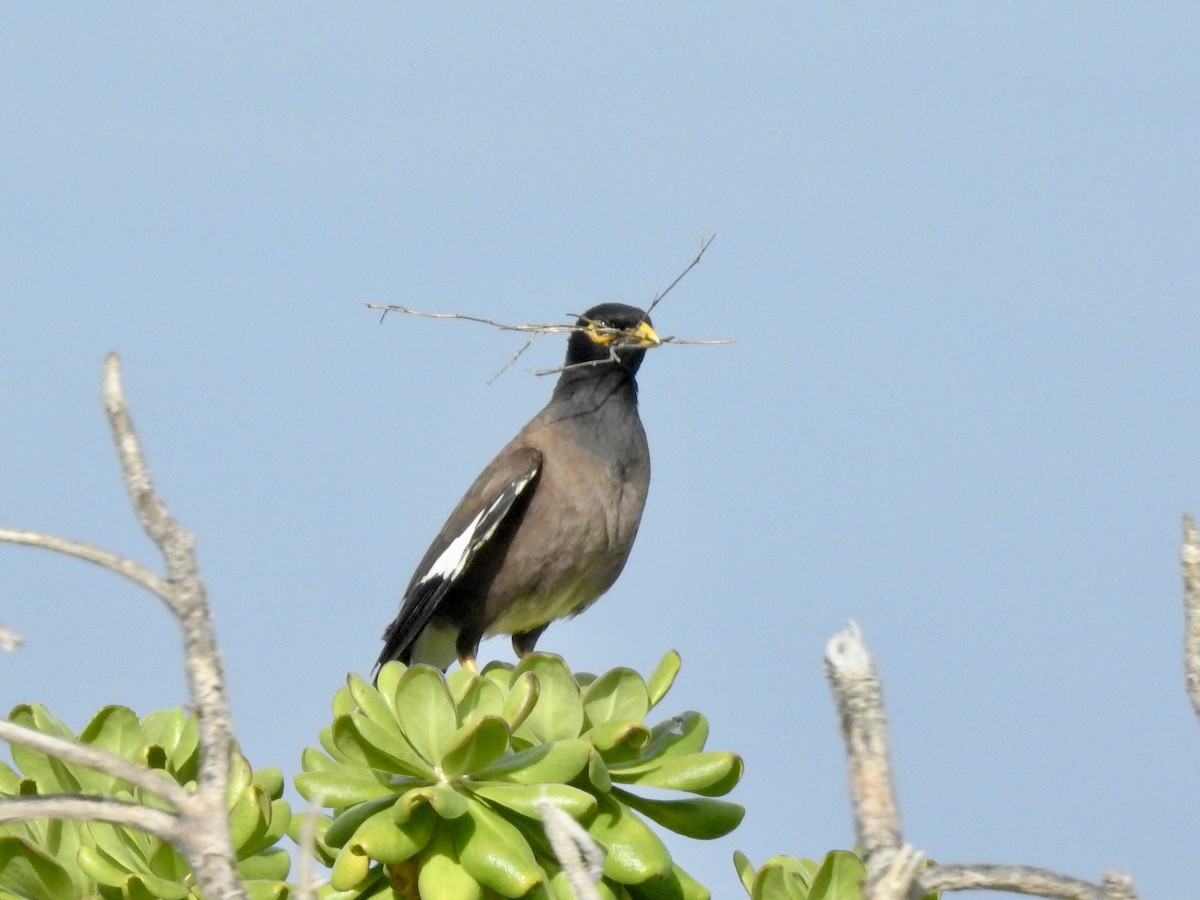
point(480, 512)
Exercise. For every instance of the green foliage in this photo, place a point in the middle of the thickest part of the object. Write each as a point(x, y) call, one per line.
point(435, 783)
point(60, 860)
point(839, 876)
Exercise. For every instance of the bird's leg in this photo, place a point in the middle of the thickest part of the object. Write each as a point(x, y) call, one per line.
point(467, 647)
point(524, 643)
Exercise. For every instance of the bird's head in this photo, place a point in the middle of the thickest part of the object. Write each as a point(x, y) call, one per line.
point(611, 334)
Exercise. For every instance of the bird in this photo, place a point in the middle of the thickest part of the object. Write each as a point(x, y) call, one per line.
point(549, 523)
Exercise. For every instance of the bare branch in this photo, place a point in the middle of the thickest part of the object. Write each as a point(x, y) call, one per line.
point(704, 245)
point(1018, 880)
point(204, 833)
point(307, 848)
point(1189, 555)
point(894, 869)
point(859, 697)
point(95, 758)
point(895, 882)
point(9, 639)
point(576, 851)
point(161, 824)
point(122, 566)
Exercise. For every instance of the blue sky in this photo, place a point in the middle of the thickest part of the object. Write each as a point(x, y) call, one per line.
point(956, 245)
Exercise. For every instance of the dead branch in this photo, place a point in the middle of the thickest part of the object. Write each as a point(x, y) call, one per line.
point(78, 808)
point(1189, 555)
point(704, 245)
point(200, 827)
point(536, 330)
point(9, 639)
point(577, 852)
point(95, 758)
point(893, 868)
point(122, 566)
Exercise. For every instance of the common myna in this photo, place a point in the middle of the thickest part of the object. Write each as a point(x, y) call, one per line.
point(547, 526)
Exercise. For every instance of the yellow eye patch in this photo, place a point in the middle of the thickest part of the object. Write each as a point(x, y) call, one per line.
point(642, 336)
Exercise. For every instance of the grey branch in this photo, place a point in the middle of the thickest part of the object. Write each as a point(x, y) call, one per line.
point(93, 809)
point(95, 758)
point(894, 870)
point(126, 568)
point(859, 696)
point(308, 848)
point(205, 839)
point(199, 828)
point(576, 851)
point(1189, 555)
point(9, 639)
point(1024, 880)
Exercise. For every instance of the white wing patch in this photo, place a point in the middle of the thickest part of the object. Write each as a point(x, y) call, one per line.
point(452, 561)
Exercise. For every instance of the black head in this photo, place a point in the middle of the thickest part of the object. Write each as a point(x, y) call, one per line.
point(614, 336)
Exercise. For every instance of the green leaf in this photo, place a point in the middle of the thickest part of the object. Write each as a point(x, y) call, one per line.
point(619, 741)
point(271, 780)
point(343, 826)
point(694, 817)
point(30, 873)
point(351, 868)
point(674, 885)
point(426, 712)
point(249, 816)
point(386, 683)
point(265, 890)
point(619, 695)
point(372, 704)
point(364, 742)
point(840, 877)
point(271, 865)
point(342, 787)
point(780, 879)
point(494, 852)
point(545, 763)
point(481, 698)
point(446, 802)
point(680, 735)
point(343, 703)
point(442, 877)
point(745, 869)
point(475, 746)
point(633, 853)
point(119, 731)
point(558, 713)
point(52, 775)
point(380, 838)
point(598, 773)
point(662, 677)
point(525, 799)
point(711, 774)
point(521, 699)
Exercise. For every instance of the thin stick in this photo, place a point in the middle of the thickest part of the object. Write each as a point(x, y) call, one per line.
point(704, 245)
point(9, 639)
point(126, 568)
point(95, 758)
point(204, 838)
point(161, 824)
point(1189, 555)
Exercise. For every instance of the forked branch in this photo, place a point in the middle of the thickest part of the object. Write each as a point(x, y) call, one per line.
point(199, 827)
point(894, 870)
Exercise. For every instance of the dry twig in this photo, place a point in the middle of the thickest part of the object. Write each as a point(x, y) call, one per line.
point(893, 868)
point(199, 828)
point(1189, 555)
point(536, 330)
point(577, 852)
